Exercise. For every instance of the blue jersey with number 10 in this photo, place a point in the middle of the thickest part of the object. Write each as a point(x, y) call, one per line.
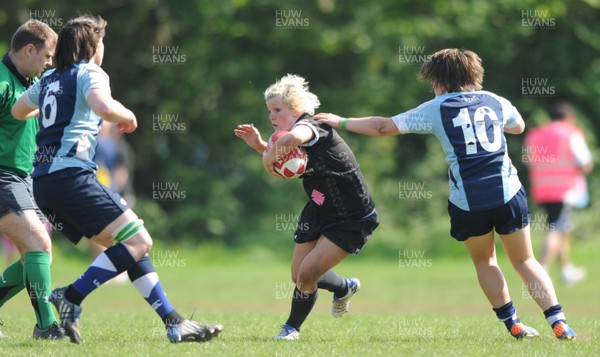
point(470, 127)
point(67, 125)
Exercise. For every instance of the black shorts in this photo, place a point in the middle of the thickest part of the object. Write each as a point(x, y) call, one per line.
point(16, 195)
point(506, 219)
point(349, 235)
point(559, 216)
point(77, 203)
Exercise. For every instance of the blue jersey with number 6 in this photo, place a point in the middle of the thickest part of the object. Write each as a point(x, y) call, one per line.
point(470, 127)
point(67, 125)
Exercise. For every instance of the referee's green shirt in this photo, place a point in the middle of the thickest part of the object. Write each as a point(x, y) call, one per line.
point(17, 137)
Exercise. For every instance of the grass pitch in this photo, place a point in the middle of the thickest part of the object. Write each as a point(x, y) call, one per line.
point(420, 307)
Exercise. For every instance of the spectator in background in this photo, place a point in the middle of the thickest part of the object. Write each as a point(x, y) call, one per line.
point(114, 158)
point(559, 159)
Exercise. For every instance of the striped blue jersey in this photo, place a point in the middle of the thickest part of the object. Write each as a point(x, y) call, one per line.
point(470, 128)
point(67, 125)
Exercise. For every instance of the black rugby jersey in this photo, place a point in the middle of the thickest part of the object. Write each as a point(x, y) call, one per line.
point(333, 180)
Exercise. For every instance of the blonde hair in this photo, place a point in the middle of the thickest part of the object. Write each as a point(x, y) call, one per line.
point(293, 91)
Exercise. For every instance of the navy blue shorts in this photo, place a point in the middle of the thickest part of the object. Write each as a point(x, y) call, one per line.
point(349, 235)
point(16, 195)
point(506, 219)
point(77, 203)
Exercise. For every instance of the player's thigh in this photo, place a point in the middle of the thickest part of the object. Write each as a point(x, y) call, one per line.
point(26, 230)
point(512, 225)
point(324, 256)
point(138, 244)
point(517, 245)
point(301, 250)
point(76, 197)
point(20, 216)
point(481, 248)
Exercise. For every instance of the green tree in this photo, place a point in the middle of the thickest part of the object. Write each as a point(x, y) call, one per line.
point(193, 70)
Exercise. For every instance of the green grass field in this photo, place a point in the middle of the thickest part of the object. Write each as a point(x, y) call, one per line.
point(407, 306)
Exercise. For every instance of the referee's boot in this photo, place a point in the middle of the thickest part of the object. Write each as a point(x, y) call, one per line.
point(69, 314)
point(53, 332)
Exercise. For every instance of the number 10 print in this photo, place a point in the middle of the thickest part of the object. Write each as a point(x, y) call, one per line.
point(475, 130)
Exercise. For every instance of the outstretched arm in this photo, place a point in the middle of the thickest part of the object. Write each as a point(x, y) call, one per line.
point(251, 136)
point(372, 126)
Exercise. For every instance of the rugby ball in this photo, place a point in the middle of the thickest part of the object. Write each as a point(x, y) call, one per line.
point(293, 164)
point(276, 135)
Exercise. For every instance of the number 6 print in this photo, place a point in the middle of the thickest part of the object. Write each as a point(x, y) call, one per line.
point(48, 112)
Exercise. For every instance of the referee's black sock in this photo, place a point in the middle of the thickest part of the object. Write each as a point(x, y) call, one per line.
point(333, 282)
point(302, 304)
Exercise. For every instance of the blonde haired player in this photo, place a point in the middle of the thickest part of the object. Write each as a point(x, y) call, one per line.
point(485, 191)
point(339, 216)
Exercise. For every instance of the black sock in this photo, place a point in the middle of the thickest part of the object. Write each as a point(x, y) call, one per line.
point(73, 296)
point(302, 304)
point(333, 282)
point(172, 318)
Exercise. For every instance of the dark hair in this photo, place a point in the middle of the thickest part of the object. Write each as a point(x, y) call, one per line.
point(560, 110)
point(453, 69)
point(33, 32)
point(78, 40)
